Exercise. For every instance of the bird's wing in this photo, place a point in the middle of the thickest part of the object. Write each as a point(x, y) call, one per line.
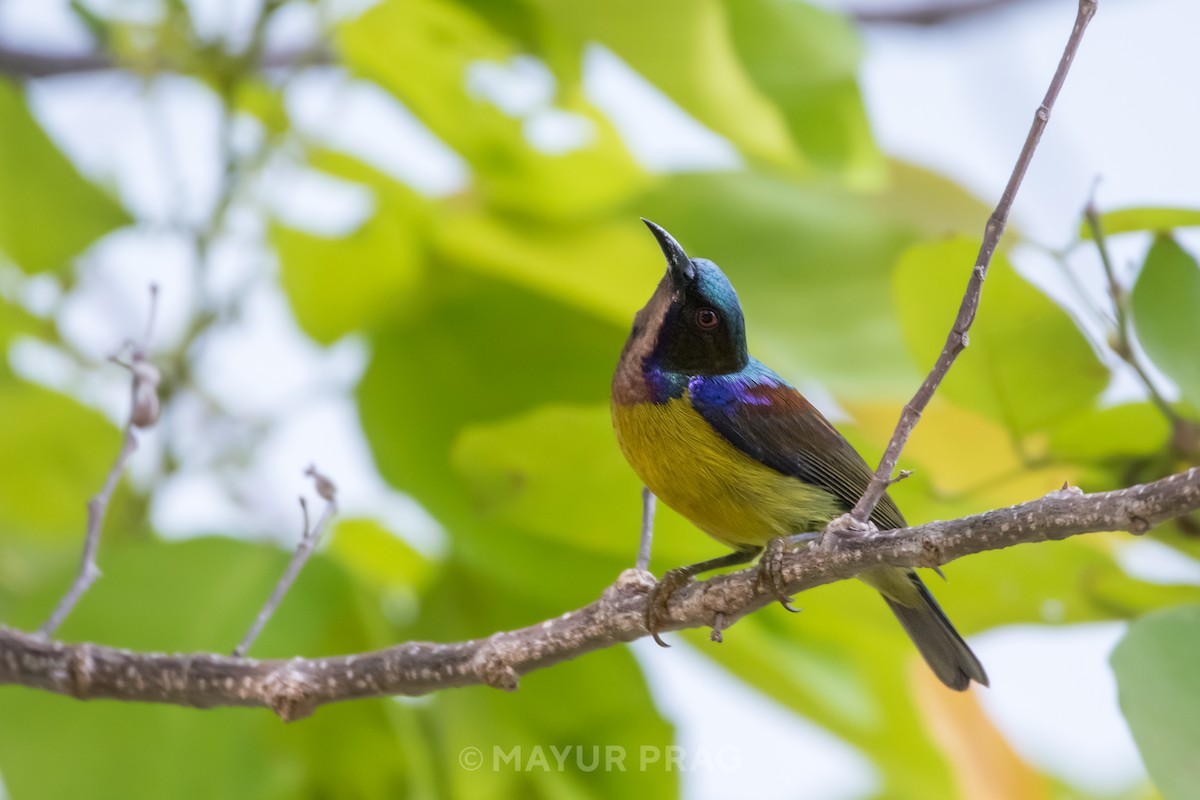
point(767, 419)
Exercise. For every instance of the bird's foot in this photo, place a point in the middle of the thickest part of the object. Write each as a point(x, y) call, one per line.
point(770, 572)
point(842, 528)
point(659, 600)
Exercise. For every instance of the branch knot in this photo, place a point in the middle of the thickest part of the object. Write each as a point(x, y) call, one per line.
point(291, 694)
point(80, 669)
point(492, 664)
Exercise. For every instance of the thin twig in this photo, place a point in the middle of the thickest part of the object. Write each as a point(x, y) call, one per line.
point(143, 413)
point(648, 502)
point(96, 508)
point(928, 14)
point(25, 64)
point(308, 542)
point(956, 341)
point(1122, 328)
point(293, 688)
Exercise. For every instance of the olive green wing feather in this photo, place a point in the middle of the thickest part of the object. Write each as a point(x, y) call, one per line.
point(767, 419)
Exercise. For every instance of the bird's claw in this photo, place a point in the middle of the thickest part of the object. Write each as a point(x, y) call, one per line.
point(770, 573)
point(718, 625)
point(659, 600)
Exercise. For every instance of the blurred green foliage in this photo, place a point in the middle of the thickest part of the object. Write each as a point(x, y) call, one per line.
point(1160, 695)
point(42, 190)
point(493, 319)
point(1166, 299)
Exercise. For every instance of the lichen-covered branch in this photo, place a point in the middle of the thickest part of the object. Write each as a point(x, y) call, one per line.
point(293, 688)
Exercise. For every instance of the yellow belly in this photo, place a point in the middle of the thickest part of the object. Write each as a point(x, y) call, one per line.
point(724, 492)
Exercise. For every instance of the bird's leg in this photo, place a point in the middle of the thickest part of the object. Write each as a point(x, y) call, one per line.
point(770, 569)
point(660, 596)
point(643, 556)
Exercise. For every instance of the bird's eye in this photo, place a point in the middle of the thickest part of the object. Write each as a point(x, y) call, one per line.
point(707, 319)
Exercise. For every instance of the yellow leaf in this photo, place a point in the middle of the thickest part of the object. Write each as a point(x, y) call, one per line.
point(984, 765)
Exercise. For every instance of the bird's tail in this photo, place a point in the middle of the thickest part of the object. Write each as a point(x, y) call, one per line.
point(926, 624)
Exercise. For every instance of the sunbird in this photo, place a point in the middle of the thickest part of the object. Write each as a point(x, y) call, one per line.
point(729, 444)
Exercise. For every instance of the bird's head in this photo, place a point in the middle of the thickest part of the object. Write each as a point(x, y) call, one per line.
point(693, 323)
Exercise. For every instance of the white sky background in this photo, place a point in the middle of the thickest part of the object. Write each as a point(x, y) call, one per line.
point(957, 98)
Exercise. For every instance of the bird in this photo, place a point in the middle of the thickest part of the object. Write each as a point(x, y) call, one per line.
point(733, 447)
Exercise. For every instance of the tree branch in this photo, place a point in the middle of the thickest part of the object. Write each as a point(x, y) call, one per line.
point(294, 688)
point(956, 341)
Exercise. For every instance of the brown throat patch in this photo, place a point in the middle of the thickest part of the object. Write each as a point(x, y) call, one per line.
point(629, 382)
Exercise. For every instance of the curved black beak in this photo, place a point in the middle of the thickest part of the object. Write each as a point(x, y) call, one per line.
point(678, 264)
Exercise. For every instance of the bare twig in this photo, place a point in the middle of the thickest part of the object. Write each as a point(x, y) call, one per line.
point(1122, 343)
point(308, 541)
point(928, 14)
point(27, 64)
point(143, 413)
point(648, 502)
point(956, 341)
point(295, 687)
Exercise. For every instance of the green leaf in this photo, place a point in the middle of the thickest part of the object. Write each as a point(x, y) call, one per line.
point(1131, 429)
point(48, 213)
point(1159, 688)
point(1158, 220)
point(377, 556)
point(1165, 300)
point(263, 101)
point(1028, 366)
point(1125, 596)
point(421, 51)
point(65, 451)
point(805, 59)
point(601, 268)
point(340, 285)
point(522, 472)
point(933, 205)
point(477, 351)
point(15, 321)
point(686, 49)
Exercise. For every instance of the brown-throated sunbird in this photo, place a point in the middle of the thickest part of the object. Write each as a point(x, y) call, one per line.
point(731, 446)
